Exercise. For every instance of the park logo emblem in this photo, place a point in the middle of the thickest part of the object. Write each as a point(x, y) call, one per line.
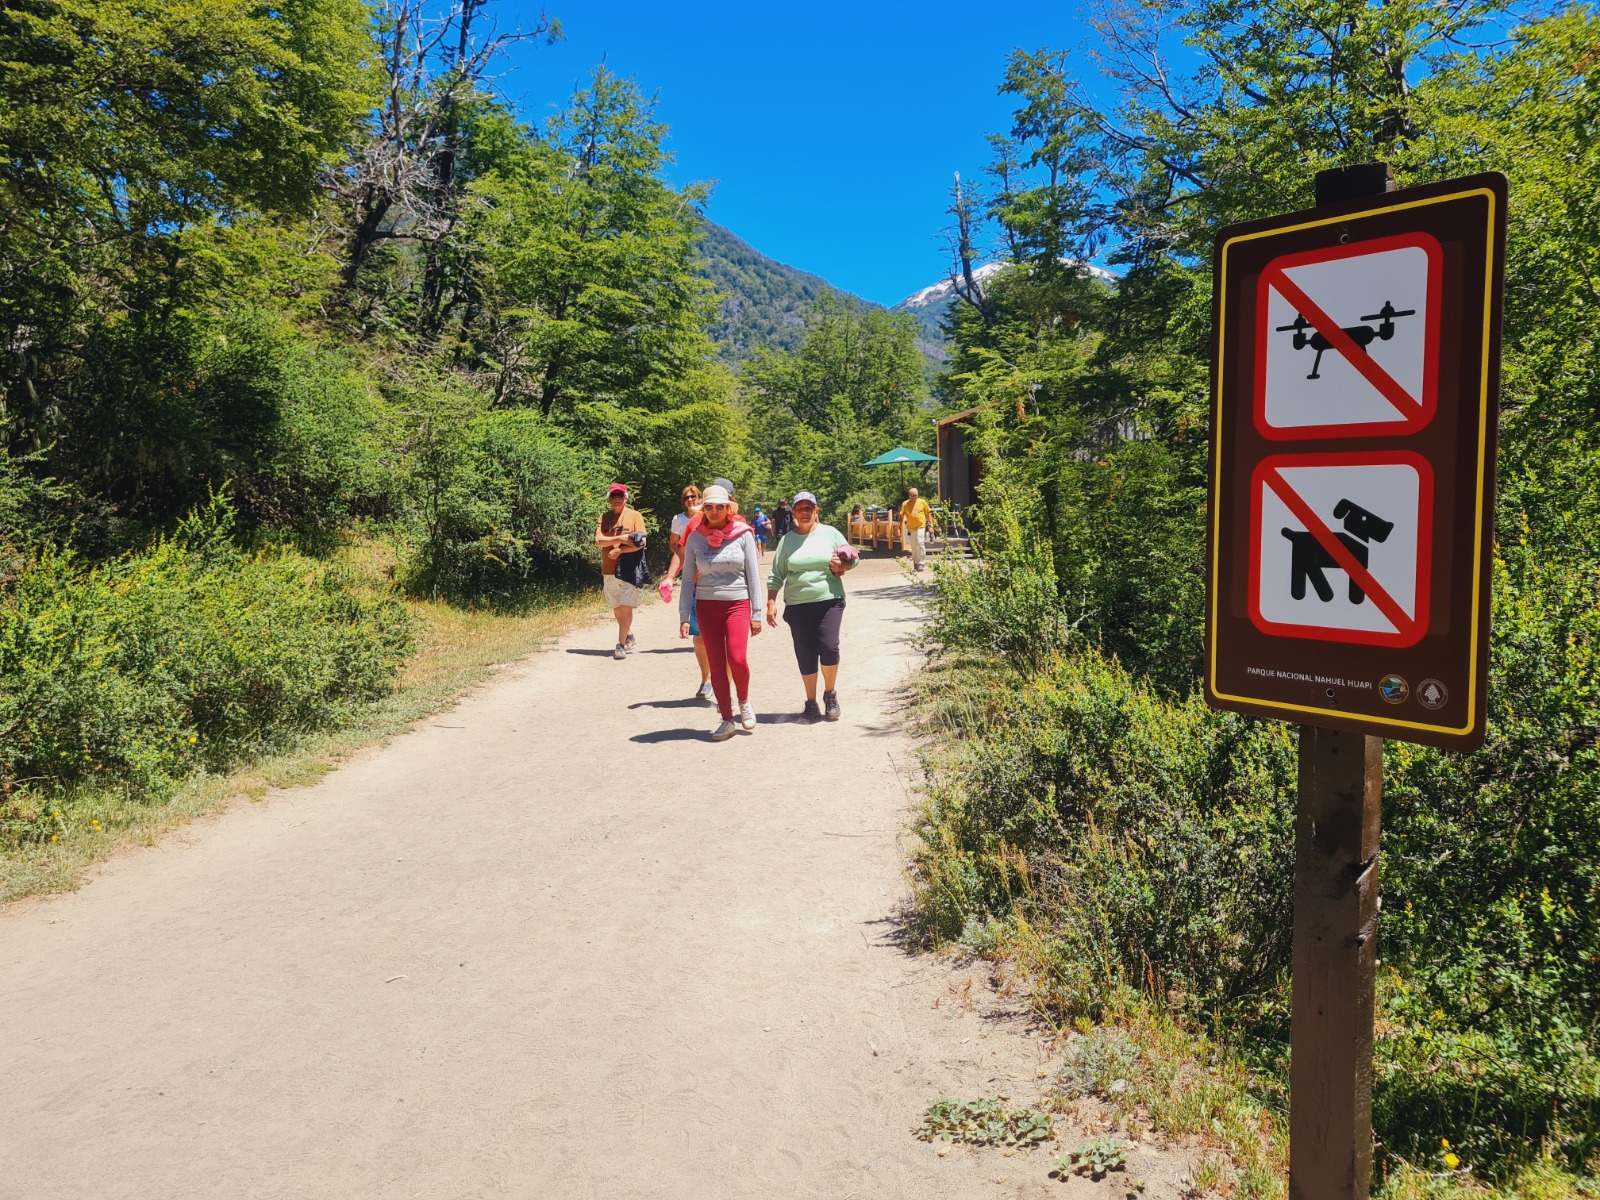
point(1340, 547)
point(1347, 342)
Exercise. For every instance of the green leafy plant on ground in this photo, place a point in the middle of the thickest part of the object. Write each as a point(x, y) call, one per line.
point(984, 1122)
point(1095, 1159)
point(190, 656)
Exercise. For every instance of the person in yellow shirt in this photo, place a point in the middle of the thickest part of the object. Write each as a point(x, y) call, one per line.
point(915, 515)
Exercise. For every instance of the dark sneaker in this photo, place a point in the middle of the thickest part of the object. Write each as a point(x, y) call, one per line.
point(620, 653)
point(810, 712)
point(830, 706)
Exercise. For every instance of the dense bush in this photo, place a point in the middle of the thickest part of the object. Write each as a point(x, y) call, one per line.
point(1007, 604)
point(190, 654)
point(1491, 873)
point(1148, 842)
point(496, 498)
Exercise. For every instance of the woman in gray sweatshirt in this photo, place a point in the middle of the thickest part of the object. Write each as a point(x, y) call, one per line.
point(724, 586)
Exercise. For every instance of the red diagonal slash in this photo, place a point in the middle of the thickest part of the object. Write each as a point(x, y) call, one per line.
point(1363, 578)
point(1407, 405)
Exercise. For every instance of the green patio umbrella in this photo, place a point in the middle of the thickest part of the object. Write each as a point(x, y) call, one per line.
point(901, 455)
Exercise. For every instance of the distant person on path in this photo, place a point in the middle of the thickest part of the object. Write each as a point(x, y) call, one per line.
point(782, 520)
point(719, 557)
point(680, 526)
point(808, 570)
point(621, 538)
point(915, 515)
point(763, 525)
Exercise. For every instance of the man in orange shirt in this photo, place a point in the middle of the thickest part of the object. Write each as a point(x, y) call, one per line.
point(620, 536)
point(915, 515)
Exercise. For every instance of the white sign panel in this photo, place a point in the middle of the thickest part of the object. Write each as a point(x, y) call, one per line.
point(1340, 547)
point(1348, 340)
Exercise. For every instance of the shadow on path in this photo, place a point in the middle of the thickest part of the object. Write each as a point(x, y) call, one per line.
point(691, 702)
point(894, 591)
point(671, 735)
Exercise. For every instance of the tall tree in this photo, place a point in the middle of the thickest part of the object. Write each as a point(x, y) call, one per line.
point(589, 292)
point(127, 132)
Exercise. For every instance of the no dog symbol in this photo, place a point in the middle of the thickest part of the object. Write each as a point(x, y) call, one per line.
point(1340, 546)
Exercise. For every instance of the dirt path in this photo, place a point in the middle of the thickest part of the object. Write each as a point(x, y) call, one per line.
point(554, 943)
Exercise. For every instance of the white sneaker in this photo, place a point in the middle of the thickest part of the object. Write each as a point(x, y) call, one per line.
point(706, 694)
point(747, 716)
point(723, 732)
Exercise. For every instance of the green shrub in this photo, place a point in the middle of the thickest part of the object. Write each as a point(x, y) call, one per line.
point(244, 401)
point(1008, 603)
point(191, 654)
point(1491, 878)
point(321, 463)
point(1149, 842)
point(497, 498)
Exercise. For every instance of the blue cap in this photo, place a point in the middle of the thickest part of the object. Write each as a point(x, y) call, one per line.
point(799, 496)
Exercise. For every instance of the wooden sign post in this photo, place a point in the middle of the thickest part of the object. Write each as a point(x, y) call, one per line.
point(1356, 384)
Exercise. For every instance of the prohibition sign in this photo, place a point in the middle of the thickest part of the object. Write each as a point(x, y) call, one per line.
point(1306, 530)
point(1355, 377)
point(1348, 339)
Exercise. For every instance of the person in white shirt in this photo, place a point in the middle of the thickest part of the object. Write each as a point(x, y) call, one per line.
point(680, 526)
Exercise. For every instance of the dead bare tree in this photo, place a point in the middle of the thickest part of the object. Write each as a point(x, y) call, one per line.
point(403, 182)
point(963, 274)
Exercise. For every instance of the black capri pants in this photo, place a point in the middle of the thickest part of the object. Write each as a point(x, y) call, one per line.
point(815, 629)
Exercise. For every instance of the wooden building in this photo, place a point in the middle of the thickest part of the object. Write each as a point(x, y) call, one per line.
point(960, 470)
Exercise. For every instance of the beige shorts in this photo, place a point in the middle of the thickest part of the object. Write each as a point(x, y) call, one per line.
point(620, 594)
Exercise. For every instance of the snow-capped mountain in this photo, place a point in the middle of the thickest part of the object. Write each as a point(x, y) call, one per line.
point(936, 294)
point(929, 306)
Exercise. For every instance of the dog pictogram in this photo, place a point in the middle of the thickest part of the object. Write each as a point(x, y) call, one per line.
point(1310, 558)
point(1307, 526)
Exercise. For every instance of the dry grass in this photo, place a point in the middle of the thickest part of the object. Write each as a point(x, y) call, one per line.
point(457, 648)
point(1142, 1073)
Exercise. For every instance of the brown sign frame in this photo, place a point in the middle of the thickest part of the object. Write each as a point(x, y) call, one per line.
point(1331, 682)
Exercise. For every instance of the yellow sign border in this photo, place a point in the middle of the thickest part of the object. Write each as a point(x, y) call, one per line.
point(1483, 434)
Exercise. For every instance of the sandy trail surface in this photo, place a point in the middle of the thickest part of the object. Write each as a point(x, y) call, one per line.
point(552, 943)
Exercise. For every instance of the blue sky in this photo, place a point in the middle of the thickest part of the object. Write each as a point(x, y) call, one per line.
point(831, 129)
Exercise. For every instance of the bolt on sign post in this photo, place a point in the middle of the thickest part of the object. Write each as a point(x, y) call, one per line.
point(1356, 371)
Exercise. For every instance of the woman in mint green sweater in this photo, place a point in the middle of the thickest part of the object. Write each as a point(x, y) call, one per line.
point(807, 570)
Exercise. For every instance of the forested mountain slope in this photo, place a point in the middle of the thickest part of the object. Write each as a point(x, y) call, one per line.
point(763, 301)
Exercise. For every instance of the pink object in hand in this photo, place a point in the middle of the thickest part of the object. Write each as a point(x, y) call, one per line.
point(665, 591)
point(848, 555)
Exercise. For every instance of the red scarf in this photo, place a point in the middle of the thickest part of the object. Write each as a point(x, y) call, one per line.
point(736, 527)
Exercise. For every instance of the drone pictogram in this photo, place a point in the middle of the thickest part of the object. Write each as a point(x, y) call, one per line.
point(1305, 334)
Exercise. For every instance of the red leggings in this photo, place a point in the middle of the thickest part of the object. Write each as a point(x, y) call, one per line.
point(725, 629)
